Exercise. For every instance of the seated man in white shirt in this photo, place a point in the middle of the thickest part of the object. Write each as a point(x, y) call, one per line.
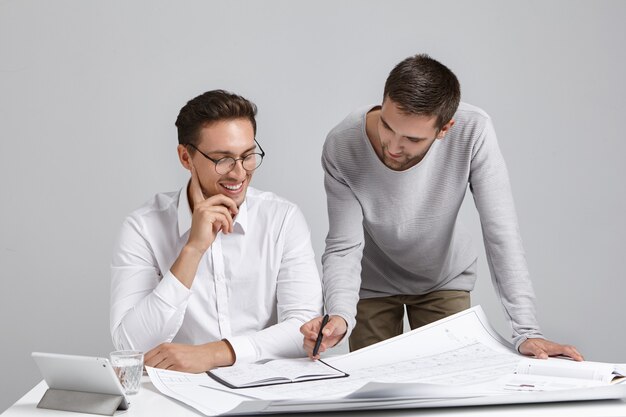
point(218, 272)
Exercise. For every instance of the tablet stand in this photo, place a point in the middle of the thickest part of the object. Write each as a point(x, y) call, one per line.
point(81, 402)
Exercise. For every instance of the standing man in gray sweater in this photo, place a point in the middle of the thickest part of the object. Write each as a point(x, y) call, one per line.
point(395, 177)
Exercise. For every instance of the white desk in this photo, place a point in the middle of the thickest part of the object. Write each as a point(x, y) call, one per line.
point(150, 403)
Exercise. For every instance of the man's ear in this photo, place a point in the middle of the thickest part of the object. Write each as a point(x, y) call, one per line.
point(444, 129)
point(184, 157)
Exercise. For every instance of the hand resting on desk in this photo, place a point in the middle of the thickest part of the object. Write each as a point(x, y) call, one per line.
point(542, 349)
point(190, 358)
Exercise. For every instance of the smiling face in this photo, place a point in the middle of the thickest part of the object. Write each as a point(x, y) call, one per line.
point(402, 140)
point(224, 138)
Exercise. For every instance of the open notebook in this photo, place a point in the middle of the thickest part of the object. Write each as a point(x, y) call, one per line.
point(280, 371)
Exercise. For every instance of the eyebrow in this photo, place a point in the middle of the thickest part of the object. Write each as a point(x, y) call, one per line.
point(389, 127)
point(231, 153)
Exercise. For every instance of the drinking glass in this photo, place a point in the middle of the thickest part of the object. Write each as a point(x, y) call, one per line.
point(128, 366)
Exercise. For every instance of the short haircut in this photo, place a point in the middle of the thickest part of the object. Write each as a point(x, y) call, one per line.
point(210, 107)
point(421, 85)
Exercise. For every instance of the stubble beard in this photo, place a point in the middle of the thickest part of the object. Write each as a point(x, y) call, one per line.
point(399, 165)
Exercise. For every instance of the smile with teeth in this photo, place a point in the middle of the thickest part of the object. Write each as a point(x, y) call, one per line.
point(233, 187)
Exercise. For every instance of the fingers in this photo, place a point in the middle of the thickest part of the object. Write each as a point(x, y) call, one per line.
point(156, 357)
point(310, 345)
point(149, 355)
point(540, 353)
point(217, 211)
point(226, 203)
point(220, 203)
point(167, 356)
point(222, 200)
point(328, 332)
point(311, 328)
point(209, 217)
point(532, 347)
point(542, 349)
point(573, 353)
point(332, 333)
point(310, 331)
point(556, 349)
point(219, 217)
point(336, 327)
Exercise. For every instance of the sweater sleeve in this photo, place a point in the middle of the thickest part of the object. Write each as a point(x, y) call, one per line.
point(489, 183)
point(344, 245)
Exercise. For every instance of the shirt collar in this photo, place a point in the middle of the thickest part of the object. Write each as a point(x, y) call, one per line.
point(184, 214)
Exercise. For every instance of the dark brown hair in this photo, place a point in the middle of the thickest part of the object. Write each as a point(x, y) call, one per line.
point(424, 86)
point(211, 107)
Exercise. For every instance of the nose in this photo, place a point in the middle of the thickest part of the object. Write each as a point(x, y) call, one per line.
point(238, 171)
point(394, 145)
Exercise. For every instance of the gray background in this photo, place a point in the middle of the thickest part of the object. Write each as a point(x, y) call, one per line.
point(89, 92)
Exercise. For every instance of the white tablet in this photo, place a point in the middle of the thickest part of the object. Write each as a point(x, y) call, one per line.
point(80, 373)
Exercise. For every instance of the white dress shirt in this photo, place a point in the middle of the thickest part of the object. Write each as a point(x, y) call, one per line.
point(254, 287)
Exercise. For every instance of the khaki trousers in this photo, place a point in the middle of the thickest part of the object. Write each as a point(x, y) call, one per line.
point(381, 318)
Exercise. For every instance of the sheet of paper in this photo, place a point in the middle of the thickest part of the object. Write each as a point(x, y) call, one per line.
point(592, 371)
point(595, 393)
point(462, 329)
point(418, 391)
point(535, 383)
point(199, 391)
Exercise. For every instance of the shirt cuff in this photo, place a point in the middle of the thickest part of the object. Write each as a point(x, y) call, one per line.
point(172, 291)
point(245, 352)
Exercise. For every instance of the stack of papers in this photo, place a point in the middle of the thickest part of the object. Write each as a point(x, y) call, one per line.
point(457, 361)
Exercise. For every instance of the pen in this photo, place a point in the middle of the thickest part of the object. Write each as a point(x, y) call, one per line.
point(319, 335)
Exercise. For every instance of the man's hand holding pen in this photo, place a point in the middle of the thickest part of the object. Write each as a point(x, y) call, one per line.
point(330, 334)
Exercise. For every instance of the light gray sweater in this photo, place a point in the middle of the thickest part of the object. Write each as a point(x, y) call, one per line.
point(397, 232)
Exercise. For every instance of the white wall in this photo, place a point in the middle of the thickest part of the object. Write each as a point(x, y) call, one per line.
point(89, 92)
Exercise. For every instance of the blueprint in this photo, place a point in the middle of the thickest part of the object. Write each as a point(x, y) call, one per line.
point(459, 360)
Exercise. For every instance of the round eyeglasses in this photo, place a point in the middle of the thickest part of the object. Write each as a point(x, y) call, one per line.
point(249, 162)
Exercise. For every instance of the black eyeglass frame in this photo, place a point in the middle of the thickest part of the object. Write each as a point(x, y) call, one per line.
point(217, 161)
